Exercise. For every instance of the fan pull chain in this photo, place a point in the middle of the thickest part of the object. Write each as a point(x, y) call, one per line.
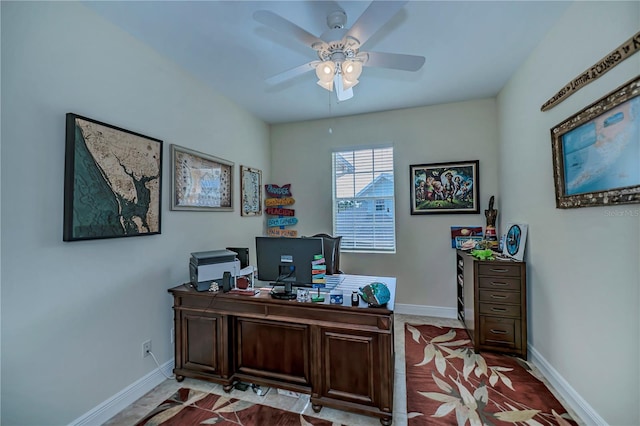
point(330, 128)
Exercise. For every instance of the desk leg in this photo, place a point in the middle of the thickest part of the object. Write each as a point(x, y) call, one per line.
point(386, 421)
point(227, 388)
point(316, 408)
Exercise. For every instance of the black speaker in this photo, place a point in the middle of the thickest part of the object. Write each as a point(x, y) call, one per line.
point(243, 255)
point(226, 281)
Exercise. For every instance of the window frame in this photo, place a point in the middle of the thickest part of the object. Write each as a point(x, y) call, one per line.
point(359, 200)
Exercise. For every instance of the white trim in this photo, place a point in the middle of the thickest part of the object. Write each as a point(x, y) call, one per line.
point(586, 413)
point(427, 311)
point(112, 406)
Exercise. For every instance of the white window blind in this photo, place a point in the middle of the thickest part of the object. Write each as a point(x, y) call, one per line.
point(364, 199)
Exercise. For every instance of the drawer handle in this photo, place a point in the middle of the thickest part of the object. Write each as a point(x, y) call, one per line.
point(499, 283)
point(498, 309)
point(498, 331)
point(498, 296)
point(499, 270)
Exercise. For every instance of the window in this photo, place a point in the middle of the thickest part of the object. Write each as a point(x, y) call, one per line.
point(364, 199)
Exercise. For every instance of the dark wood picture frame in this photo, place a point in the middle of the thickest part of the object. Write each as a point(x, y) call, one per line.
point(595, 152)
point(440, 188)
point(250, 191)
point(200, 182)
point(112, 181)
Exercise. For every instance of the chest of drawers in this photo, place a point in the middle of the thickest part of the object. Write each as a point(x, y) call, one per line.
point(494, 304)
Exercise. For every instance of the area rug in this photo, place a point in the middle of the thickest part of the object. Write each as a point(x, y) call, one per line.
point(192, 407)
point(449, 384)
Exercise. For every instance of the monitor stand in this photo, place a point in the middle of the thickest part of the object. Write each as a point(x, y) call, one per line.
point(286, 294)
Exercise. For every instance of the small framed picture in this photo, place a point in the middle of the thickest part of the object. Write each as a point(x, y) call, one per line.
point(515, 240)
point(445, 188)
point(250, 191)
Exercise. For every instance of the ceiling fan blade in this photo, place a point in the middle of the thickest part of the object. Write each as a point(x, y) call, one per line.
point(285, 26)
point(396, 61)
point(373, 18)
point(293, 72)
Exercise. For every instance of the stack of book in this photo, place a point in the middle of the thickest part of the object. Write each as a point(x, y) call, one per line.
point(318, 270)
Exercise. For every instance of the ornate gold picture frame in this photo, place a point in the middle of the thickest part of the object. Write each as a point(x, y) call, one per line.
point(596, 152)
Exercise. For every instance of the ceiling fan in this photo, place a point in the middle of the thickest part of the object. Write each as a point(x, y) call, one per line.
point(340, 59)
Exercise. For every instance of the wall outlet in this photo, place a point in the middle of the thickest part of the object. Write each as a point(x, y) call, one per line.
point(146, 348)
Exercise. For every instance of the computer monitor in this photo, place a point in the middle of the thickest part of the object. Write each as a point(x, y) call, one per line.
point(286, 261)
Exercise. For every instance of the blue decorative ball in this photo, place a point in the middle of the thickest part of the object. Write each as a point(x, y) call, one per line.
point(375, 294)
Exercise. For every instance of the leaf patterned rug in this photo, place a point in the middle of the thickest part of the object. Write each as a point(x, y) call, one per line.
point(192, 407)
point(449, 384)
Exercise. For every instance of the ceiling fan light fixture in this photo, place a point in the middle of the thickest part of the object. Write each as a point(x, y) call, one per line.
point(351, 70)
point(328, 85)
point(348, 84)
point(325, 71)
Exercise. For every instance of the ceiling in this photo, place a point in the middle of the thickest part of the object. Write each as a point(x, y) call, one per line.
point(471, 48)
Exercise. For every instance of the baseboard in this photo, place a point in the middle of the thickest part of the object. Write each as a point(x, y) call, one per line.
point(125, 397)
point(586, 413)
point(427, 311)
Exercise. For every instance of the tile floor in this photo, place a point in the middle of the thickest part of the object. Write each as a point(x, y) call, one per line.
point(140, 408)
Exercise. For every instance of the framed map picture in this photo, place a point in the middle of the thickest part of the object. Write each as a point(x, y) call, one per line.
point(445, 188)
point(200, 182)
point(596, 152)
point(112, 181)
point(250, 191)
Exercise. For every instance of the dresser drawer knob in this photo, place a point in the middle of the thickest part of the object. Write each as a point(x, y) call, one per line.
point(498, 283)
point(499, 270)
point(498, 331)
point(498, 296)
point(498, 309)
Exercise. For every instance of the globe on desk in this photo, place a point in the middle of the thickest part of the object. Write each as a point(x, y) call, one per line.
point(376, 294)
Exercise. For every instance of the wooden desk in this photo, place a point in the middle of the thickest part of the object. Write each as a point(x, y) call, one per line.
point(342, 356)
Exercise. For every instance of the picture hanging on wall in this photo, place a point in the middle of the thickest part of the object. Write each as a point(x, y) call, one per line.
point(596, 151)
point(250, 191)
point(200, 182)
point(445, 188)
point(112, 182)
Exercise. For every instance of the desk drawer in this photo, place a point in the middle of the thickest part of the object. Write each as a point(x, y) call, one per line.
point(492, 296)
point(500, 332)
point(499, 283)
point(499, 269)
point(500, 310)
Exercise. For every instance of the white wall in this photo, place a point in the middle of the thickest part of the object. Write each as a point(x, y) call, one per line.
point(74, 314)
point(583, 263)
point(424, 263)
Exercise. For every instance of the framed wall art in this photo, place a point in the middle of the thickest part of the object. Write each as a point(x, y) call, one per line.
point(445, 188)
point(112, 181)
point(200, 182)
point(250, 191)
point(515, 240)
point(596, 152)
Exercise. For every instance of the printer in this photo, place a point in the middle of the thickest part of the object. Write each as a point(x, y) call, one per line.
point(205, 267)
